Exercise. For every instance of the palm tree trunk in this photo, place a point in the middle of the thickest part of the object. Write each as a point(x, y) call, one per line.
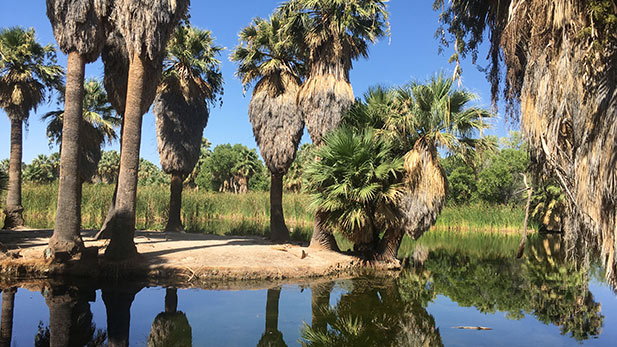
point(174, 222)
point(278, 229)
point(171, 300)
point(6, 326)
point(122, 245)
point(66, 237)
point(13, 211)
point(387, 250)
point(118, 306)
point(321, 239)
point(272, 309)
point(320, 301)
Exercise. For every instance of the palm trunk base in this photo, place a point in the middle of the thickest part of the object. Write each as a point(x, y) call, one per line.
point(174, 222)
point(174, 227)
point(13, 217)
point(64, 250)
point(122, 230)
point(387, 251)
point(321, 238)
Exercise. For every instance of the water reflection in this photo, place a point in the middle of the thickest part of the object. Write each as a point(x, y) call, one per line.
point(372, 310)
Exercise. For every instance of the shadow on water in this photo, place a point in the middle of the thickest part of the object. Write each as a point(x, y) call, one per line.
point(371, 310)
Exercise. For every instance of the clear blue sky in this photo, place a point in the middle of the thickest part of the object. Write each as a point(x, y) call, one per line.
point(411, 53)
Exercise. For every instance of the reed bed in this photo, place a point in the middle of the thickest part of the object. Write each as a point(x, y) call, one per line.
point(249, 214)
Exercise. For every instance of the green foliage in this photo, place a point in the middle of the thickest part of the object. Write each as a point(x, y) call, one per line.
point(43, 169)
point(548, 205)
point(109, 167)
point(260, 182)
point(356, 182)
point(4, 180)
point(229, 169)
point(461, 185)
point(204, 153)
point(501, 179)
point(292, 181)
point(28, 71)
point(4, 165)
point(150, 174)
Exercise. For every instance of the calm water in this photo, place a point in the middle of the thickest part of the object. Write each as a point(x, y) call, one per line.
point(538, 300)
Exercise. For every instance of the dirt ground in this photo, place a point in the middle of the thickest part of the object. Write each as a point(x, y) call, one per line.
point(184, 258)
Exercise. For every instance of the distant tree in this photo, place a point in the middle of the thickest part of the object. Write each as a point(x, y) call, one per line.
point(230, 168)
point(4, 166)
point(150, 174)
point(108, 166)
point(204, 153)
point(292, 181)
point(501, 178)
point(43, 169)
point(245, 168)
point(99, 125)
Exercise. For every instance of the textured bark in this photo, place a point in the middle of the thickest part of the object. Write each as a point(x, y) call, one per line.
point(321, 238)
point(6, 326)
point(174, 222)
point(387, 250)
point(278, 229)
point(13, 210)
point(118, 306)
point(171, 300)
point(122, 225)
point(66, 237)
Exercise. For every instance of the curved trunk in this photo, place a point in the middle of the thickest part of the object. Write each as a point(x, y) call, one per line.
point(13, 210)
point(66, 237)
point(6, 326)
point(122, 224)
point(278, 229)
point(321, 238)
point(174, 222)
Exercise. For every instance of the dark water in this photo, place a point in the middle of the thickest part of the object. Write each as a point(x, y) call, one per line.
point(541, 299)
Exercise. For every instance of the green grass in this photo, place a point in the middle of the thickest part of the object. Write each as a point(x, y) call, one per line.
point(249, 214)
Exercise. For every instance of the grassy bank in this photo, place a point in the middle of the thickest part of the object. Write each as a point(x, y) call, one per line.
point(247, 214)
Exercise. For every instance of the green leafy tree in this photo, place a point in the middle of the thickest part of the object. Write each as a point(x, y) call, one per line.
point(293, 179)
point(109, 165)
point(150, 174)
point(501, 179)
point(28, 72)
point(43, 169)
point(204, 153)
point(356, 185)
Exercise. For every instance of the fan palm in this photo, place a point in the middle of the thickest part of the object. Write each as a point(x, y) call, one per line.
point(332, 34)
point(427, 117)
point(98, 126)
point(356, 184)
point(247, 166)
point(146, 27)
point(108, 167)
point(28, 71)
point(43, 169)
point(191, 81)
point(80, 28)
point(268, 57)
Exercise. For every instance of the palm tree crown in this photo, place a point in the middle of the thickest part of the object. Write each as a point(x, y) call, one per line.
point(27, 71)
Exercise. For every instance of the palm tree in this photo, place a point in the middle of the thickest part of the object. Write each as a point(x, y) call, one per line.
point(28, 71)
point(192, 79)
point(146, 27)
point(333, 34)
point(108, 166)
point(171, 327)
point(272, 337)
point(6, 316)
point(356, 184)
point(204, 153)
point(247, 166)
point(267, 56)
point(98, 126)
point(43, 169)
point(80, 28)
point(427, 117)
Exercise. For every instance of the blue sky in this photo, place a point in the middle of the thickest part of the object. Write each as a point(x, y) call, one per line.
point(410, 53)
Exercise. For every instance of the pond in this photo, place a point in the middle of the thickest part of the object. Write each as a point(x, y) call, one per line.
point(541, 299)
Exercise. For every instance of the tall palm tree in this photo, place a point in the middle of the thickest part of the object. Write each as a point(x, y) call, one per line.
point(191, 81)
point(28, 71)
point(333, 34)
point(98, 126)
point(269, 58)
point(80, 28)
point(272, 336)
point(146, 26)
point(427, 117)
point(6, 316)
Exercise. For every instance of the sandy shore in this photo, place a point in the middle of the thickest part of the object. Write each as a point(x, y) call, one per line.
point(181, 259)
